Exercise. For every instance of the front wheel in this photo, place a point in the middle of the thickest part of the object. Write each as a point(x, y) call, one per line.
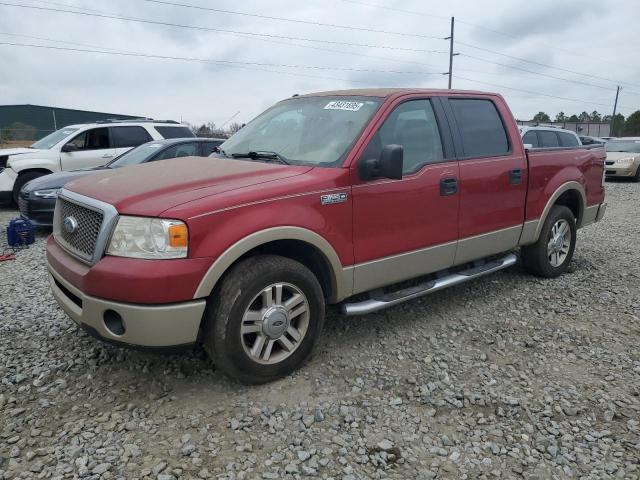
point(550, 256)
point(22, 180)
point(262, 323)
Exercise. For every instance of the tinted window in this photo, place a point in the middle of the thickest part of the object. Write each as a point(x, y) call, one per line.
point(568, 140)
point(94, 139)
point(177, 151)
point(481, 128)
point(208, 147)
point(548, 139)
point(174, 132)
point(531, 138)
point(124, 137)
point(412, 125)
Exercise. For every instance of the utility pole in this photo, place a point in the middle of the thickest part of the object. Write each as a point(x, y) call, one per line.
point(451, 54)
point(613, 117)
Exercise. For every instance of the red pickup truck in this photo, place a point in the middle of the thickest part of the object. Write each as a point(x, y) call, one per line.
point(367, 198)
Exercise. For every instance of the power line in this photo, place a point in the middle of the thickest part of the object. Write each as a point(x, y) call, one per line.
point(481, 27)
point(542, 64)
point(293, 20)
point(102, 14)
point(218, 62)
point(585, 102)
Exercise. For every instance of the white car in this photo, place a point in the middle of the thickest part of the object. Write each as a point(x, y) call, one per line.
point(623, 158)
point(76, 147)
point(549, 137)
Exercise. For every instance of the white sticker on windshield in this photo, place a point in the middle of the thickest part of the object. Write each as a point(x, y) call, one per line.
point(344, 105)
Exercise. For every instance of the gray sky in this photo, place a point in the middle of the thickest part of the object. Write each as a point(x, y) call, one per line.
point(587, 36)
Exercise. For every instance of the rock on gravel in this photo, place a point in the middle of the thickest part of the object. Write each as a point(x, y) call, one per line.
point(509, 376)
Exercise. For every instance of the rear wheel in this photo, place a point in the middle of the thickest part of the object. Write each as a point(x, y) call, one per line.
point(636, 178)
point(263, 321)
point(551, 254)
point(22, 180)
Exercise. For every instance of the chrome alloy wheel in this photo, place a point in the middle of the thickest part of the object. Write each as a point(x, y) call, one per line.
point(275, 323)
point(559, 243)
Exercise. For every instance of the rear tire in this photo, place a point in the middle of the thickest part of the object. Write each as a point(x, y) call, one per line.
point(551, 255)
point(636, 178)
point(263, 321)
point(23, 179)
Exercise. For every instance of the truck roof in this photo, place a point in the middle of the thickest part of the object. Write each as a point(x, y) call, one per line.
point(387, 92)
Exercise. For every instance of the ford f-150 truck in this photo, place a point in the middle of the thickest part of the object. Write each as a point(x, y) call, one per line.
point(366, 198)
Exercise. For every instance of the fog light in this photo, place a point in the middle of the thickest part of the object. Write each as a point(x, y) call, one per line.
point(114, 323)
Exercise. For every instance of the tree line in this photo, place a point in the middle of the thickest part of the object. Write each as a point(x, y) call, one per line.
point(210, 129)
point(629, 126)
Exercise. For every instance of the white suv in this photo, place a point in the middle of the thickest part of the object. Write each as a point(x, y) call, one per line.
point(549, 137)
point(79, 146)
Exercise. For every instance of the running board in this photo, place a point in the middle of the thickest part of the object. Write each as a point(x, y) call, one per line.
point(379, 302)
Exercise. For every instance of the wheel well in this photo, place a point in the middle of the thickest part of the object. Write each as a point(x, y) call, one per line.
point(302, 252)
point(573, 201)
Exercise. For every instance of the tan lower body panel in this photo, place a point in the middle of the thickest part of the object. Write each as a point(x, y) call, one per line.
point(145, 325)
point(377, 273)
point(479, 246)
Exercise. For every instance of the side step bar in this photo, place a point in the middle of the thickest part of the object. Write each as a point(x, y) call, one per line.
point(381, 301)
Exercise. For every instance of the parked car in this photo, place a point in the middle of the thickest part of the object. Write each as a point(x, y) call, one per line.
point(549, 137)
point(78, 146)
point(586, 140)
point(319, 199)
point(623, 158)
point(38, 197)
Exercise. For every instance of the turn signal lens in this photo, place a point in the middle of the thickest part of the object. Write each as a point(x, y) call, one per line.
point(178, 235)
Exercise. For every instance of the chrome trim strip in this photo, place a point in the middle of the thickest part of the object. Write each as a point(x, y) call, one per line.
point(110, 218)
point(373, 304)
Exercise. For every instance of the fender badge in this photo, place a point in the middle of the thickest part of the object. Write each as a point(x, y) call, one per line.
point(332, 198)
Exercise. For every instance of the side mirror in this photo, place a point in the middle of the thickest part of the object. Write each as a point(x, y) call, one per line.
point(69, 147)
point(389, 165)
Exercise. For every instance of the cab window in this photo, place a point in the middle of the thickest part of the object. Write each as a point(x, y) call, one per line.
point(531, 138)
point(413, 125)
point(93, 139)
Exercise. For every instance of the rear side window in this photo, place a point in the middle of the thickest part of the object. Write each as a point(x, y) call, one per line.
point(125, 137)
point(531, 138)
point(548, 139)
point(174, 132)
point(177, 151)
point(481, 128)
point(568, 140)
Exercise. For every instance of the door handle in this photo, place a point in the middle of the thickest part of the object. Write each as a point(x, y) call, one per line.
point(515, 176)
point(448, 186)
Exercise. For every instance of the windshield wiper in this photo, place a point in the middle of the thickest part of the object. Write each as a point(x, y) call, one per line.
point(262, 154)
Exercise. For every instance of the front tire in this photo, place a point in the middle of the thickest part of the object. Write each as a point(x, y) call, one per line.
point(22, 180)
point(550, 256)
point(263, 321)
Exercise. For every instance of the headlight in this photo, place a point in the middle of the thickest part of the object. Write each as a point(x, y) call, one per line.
point(152, 238)
point(625, 161)
point(47, 193)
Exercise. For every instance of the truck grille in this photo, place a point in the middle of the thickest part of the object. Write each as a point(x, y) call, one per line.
point(88, 221)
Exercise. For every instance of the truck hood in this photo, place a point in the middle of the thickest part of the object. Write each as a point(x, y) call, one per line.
point(152, 188)
point(16, 151)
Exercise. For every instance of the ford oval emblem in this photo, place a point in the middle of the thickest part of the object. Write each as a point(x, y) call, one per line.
point(70, 224)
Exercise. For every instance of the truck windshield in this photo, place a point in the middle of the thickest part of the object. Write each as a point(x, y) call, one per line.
point(316, 131)
point(53, 139)
point(632, 146)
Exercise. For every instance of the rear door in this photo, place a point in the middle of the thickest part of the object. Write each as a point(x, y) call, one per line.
point(409, 227)
point(493, 177)
point(127, 137)
point(94, 148)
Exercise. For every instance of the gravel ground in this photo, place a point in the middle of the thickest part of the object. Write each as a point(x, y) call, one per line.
point(509, 376)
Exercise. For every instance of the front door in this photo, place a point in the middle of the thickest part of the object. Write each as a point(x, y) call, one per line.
point(493, 178)
point(409, 227)
point(94, 146)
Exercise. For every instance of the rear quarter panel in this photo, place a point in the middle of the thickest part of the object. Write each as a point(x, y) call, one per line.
point(549, 169)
